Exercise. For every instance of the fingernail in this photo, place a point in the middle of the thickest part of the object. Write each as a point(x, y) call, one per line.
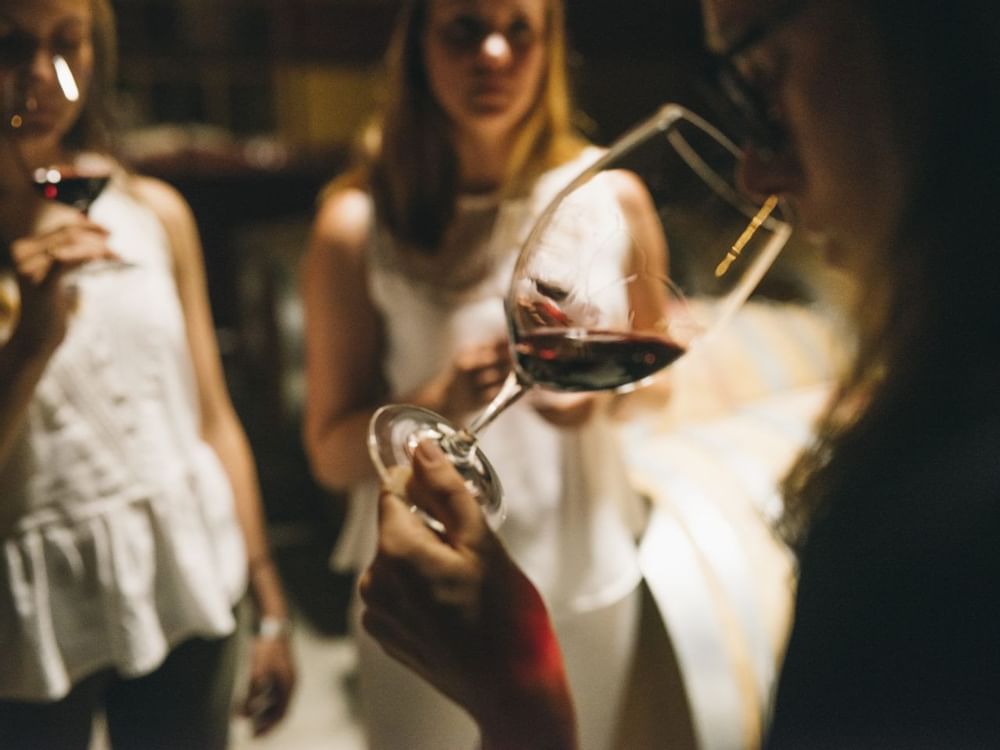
point(429, 451)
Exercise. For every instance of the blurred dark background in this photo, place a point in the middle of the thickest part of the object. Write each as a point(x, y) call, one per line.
point(249, 107)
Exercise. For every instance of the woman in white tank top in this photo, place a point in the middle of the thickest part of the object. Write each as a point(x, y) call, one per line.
point(130, 522)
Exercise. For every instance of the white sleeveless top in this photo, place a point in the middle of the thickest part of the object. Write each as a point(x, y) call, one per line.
point(117, 523)
point(565, 489)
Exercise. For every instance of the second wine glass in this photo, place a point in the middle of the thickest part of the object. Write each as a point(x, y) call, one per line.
point(76, 182)
point(658, 222)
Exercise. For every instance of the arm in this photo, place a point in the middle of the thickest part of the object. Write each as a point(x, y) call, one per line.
point(457, 610)
point(343, 342)
point(344, 349)
point(60, 240)
point(221, 429)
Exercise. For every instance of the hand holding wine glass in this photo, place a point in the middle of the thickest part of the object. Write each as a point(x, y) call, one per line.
point(471, 380)
point(47, 242)
point(75, 180)
point(659, 223)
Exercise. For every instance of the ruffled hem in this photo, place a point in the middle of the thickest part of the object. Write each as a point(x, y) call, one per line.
point(118, 587)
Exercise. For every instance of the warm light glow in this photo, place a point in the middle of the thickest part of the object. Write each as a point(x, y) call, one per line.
point(65, 77)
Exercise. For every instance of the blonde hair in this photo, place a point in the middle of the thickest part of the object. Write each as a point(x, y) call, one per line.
point(92, 130)
point(406, 157)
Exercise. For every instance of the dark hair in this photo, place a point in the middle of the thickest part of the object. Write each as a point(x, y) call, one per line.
point(937, 336)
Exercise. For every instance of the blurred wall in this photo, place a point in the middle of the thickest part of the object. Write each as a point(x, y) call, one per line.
point(305, 70)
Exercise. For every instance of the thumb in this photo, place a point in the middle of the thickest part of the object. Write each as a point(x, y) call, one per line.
point(437, 487)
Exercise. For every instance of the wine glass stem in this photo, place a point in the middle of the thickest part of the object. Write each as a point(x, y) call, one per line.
point(462, 442)
point(510, 391)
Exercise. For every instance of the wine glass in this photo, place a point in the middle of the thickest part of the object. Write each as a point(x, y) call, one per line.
point(589, 271)
point(76, 183)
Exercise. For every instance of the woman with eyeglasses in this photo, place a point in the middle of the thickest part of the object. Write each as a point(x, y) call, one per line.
point(131, 527)
point(404, 281)
point(876, 123)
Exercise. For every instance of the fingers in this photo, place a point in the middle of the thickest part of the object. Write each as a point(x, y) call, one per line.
point(263, 706)
point(437, 487)
point(67, 246)
point(408, 548)
point(415, 568)
point(472, 378)
point(485, 366)
point(271, 684)
point(397, 605)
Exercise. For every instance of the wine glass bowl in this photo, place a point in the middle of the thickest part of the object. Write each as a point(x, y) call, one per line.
point(637, 260)
point(70, 184)
point(572, 300)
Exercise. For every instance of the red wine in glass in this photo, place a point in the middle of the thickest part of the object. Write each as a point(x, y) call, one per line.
point(68, 186)
point(635, 260)
point(78, 187)
point(578, 360)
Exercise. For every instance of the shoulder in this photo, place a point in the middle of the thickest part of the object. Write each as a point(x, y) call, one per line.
point(163, 199)
point(176, 217)
point(344, 217)
point(629, 190)
point(340, 233)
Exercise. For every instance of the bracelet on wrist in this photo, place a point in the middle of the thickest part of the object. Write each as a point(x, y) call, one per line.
point(271, 628)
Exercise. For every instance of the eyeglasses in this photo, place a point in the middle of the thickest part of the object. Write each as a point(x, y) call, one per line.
point(750, 109)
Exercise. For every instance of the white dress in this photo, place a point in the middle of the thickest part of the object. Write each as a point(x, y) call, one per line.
point(118, 534)
point(565, 491)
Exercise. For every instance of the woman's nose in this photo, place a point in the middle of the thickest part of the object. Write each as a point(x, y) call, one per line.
point(45, 68)
point(40, 66)
point(495, 49)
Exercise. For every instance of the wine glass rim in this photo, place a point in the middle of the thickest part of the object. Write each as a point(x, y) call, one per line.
point(766, 213)
point(663, 120)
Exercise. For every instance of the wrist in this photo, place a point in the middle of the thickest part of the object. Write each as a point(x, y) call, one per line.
point(265, 588)
point(530, 704)
point(273, 627)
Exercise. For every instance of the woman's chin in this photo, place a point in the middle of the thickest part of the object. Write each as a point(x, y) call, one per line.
point(37, 144)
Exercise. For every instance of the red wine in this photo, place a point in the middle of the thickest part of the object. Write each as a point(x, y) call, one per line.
point(568, 359)
point(76, 190)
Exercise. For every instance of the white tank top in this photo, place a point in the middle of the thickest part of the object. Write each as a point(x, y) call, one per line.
point(117, 524)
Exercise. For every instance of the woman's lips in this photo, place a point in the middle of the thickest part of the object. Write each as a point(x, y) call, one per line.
point(34, 109)
point(490, 95)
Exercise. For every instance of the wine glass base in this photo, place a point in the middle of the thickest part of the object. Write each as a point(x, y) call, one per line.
point(393, 436)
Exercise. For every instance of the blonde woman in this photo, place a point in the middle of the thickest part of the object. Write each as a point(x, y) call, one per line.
point(408, 264)
point(130, 519)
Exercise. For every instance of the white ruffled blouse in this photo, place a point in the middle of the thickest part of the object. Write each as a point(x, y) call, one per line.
point(118, 534)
